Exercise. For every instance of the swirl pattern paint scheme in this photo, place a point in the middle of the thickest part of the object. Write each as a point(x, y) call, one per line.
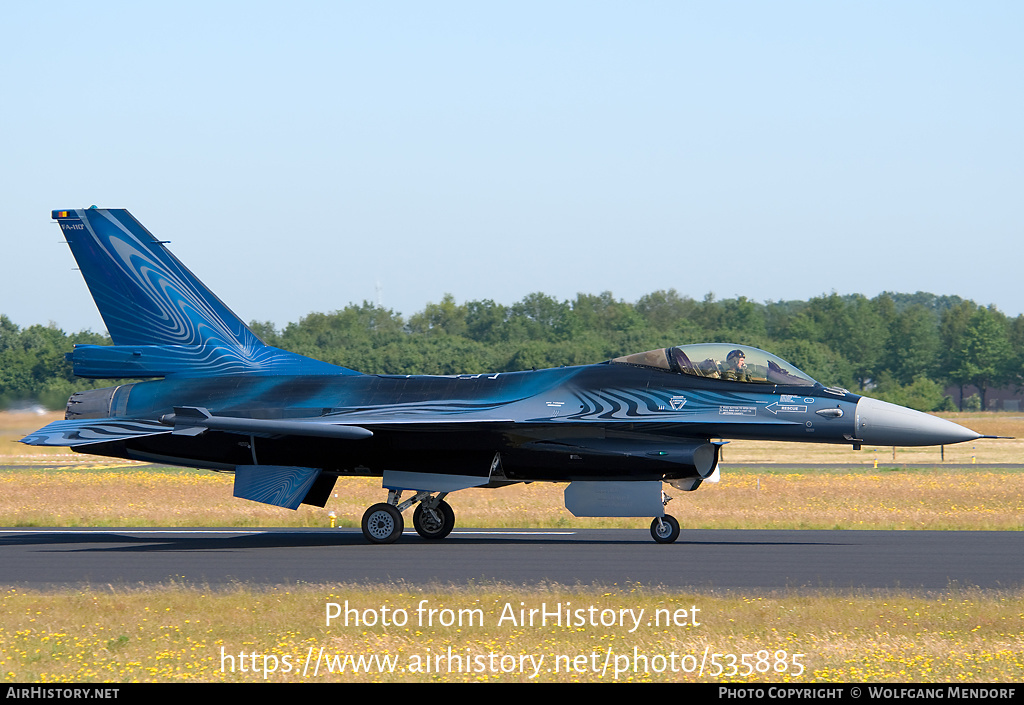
point(289, 427)
point(162, 319)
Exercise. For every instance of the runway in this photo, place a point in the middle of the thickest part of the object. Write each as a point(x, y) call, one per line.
point(700, 560)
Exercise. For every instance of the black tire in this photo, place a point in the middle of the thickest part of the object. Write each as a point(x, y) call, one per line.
point(667, 532)
point(427, 527)
point(383, 523)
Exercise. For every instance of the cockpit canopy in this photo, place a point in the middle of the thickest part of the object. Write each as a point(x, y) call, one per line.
point(736, 363)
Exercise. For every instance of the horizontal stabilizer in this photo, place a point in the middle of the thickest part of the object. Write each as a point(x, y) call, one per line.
point(281, 485)
point(78, 432)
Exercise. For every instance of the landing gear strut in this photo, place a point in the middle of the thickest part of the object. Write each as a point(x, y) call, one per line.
point(433, 518)
point(433, 522)
point(665, 529)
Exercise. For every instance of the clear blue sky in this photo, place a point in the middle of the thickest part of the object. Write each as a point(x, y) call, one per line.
point(299, 155)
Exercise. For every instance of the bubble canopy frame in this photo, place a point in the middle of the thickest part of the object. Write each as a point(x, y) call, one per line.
point(716, 361)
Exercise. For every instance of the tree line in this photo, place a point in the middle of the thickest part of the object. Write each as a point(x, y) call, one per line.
point(904, 348)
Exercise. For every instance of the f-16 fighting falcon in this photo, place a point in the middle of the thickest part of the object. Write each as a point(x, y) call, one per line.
point(287, 426)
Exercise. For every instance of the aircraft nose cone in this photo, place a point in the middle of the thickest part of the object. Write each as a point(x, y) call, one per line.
point(880, 423)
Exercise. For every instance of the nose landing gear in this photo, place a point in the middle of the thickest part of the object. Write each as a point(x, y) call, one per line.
point(665, 529)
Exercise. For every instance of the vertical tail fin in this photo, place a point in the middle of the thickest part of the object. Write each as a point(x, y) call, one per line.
point(145, 295)
point(162, 319)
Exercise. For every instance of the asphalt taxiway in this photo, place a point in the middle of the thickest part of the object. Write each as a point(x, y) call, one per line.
point(746, 560)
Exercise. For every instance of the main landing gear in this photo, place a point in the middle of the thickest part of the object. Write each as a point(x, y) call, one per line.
point(433, 518)
point(433, 522)
point(383, 523)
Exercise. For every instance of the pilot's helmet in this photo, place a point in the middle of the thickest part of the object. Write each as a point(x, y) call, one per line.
point(735, 355)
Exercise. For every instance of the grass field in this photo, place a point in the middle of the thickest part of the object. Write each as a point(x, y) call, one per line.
point(175, 633)
point(886, 498)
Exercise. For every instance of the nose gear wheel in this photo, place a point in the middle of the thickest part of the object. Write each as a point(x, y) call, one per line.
point(665, 529)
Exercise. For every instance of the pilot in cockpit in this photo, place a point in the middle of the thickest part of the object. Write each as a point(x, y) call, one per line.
point(735, 367)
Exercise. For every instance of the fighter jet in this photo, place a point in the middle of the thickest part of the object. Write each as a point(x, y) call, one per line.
point(287, 426)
